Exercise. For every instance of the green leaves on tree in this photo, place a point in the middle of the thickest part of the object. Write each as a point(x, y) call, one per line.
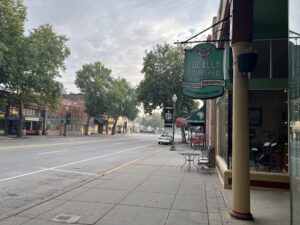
point(105, 95)
point(163, 73)
point(29, 65)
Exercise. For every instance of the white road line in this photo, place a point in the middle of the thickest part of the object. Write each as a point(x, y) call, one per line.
point(68, 164)
point(70, 171)
point(45, 153)
point(98, 157)
point(22, 175)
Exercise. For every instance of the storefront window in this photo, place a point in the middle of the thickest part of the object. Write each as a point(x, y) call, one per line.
point(294, 107)
point(222, 130)
point(268, 134)
point(272, 53)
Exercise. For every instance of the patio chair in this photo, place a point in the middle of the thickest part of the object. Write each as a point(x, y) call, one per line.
point(204, 164)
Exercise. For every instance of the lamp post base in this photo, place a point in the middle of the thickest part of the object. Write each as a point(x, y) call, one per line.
point(172, 148)
point(241, 216)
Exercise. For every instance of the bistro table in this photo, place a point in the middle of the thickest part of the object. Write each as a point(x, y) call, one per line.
point(189, 157)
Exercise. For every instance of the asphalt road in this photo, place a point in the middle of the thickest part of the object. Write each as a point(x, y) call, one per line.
point(34, 169)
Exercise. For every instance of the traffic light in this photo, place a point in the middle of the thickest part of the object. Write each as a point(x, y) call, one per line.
point(68, 118)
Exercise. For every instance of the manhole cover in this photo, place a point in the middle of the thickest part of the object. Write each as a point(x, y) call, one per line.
point(12, 194)
point(64, 218)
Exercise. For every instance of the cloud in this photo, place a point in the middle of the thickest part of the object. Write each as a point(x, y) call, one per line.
point(118, 32)
point(294, 23)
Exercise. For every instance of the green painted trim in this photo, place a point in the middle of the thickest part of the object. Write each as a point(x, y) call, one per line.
point(270, 19)
point(263, 84)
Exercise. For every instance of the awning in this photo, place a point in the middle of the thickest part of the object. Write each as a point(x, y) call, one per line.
point(198, 118)
point(100, 121)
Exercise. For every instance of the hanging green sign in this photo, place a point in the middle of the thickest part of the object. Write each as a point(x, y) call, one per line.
point(203, 72)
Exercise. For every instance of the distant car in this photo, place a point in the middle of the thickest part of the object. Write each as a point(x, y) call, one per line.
point(165, 139)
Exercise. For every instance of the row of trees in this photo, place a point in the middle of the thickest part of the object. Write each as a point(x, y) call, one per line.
point(105, 95)
point(163, 73)
point(30, 65)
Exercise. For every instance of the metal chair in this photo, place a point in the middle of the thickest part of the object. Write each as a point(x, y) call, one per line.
point(265, 159)
point(253, 155)
point(205, 161)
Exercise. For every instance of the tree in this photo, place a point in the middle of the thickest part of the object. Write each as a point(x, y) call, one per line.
point(94, 81)
point(123, 101)
point(155, 120)
point(31, 66)
point(45, 54)
point(12, 18)
point(163, 74)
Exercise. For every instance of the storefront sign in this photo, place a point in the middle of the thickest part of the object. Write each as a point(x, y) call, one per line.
point(28, 118)
point(198, 118)
point(203, 72)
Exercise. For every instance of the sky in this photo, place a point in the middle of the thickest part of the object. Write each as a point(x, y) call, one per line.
point(117, 32)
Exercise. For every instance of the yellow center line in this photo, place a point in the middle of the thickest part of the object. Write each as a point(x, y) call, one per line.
point(37, 145)
point(157, 151)
point(119, 167)
point(54, 144)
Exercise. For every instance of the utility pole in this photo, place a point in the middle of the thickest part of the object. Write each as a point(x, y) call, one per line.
point(242, 31)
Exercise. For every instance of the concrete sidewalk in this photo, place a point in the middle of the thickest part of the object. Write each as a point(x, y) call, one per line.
point(151, 191)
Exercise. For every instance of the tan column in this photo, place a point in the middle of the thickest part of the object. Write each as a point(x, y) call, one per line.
point(240, 142)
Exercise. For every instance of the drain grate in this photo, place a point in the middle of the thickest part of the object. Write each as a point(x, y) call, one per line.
point(64, 218)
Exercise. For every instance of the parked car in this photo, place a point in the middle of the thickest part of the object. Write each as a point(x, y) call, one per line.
point(165, 139)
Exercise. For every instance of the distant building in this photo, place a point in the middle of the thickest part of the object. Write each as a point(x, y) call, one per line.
point(121, 126)
point(133, 127)
point(74, 106)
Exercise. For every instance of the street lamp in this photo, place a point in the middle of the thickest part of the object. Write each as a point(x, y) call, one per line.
point(174, 99)
point(201, 131)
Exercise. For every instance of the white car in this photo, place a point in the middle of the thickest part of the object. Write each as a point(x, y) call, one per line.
point(165, 139)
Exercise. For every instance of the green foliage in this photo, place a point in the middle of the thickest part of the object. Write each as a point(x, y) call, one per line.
point(29, 65)
point(105, 95)
point(46, 52)
point(94, 81)
point(12, 18)
point(35, 64)
point(155, 120)
point(122, 99)
point(163, 70)
point(45, 55)
point(94, 75)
